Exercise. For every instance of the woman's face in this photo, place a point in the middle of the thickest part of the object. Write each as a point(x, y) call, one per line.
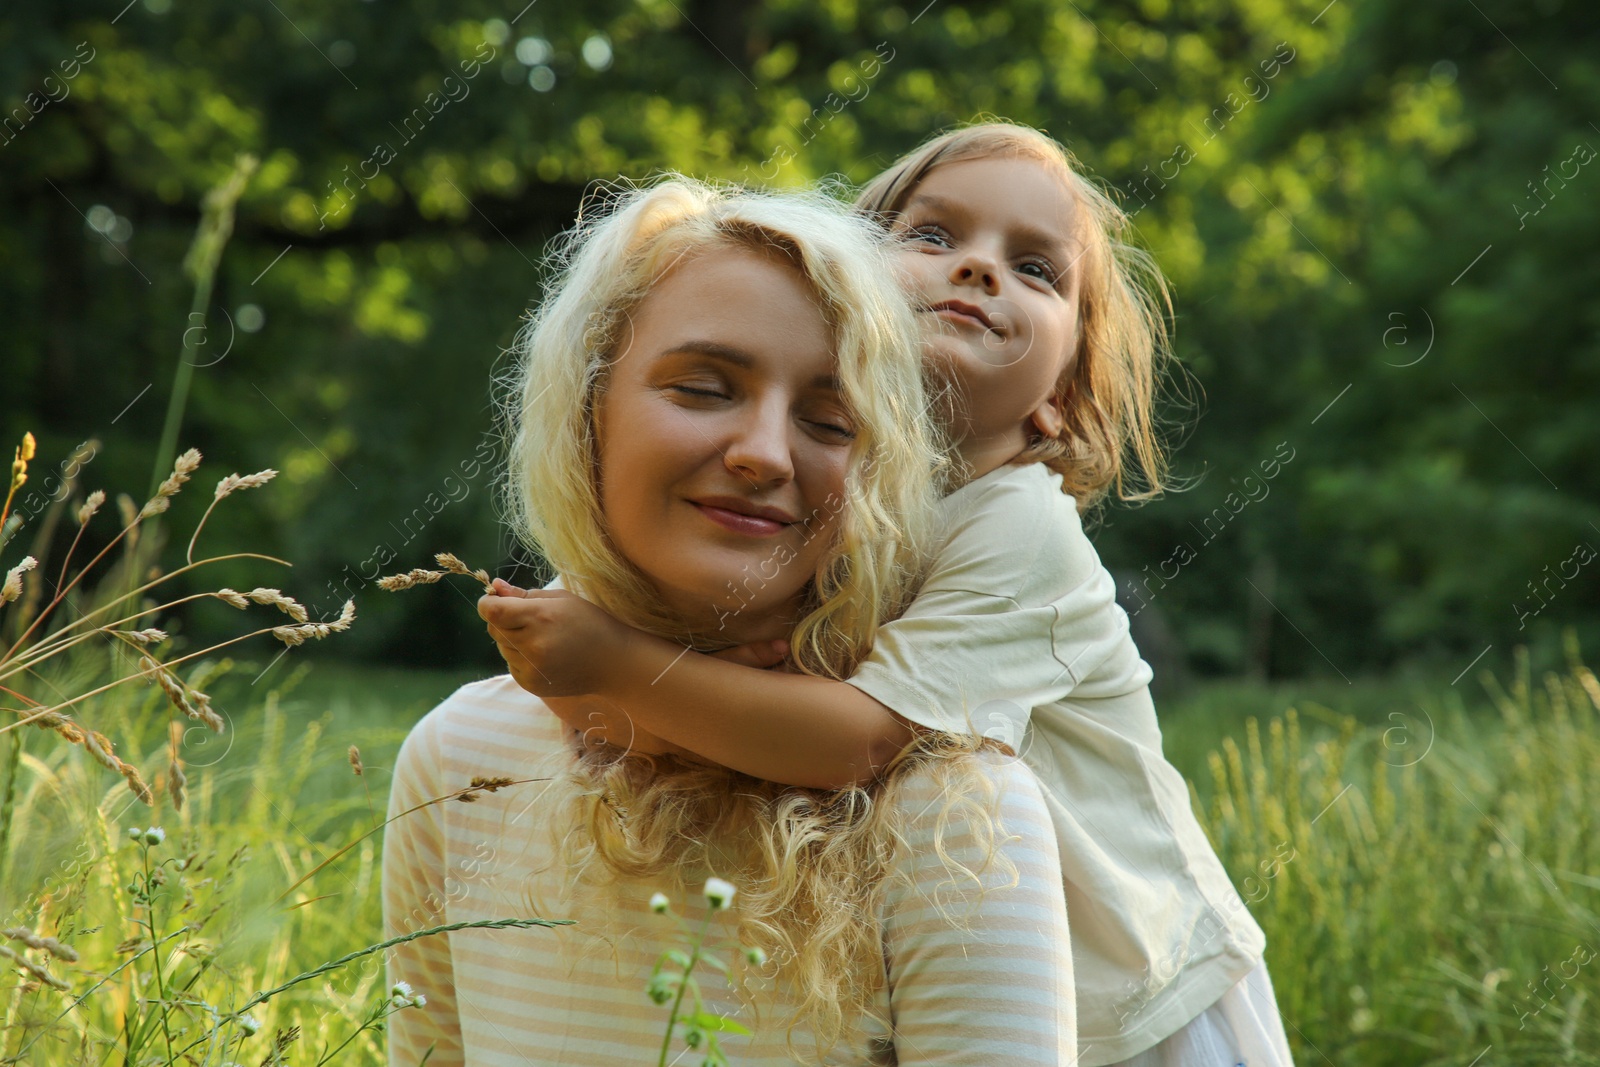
point(723, 441)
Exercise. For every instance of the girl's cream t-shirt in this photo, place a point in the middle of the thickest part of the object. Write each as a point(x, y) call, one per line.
point(994, 990)
point(1017, 635)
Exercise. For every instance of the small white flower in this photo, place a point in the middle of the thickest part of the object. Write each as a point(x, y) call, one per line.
point(155, 835)
point(755, 956)
point(659, 903)
point(719, 893)
point(401, 989)
point(134, 833)
point(419, 1001)
point(248, 1024)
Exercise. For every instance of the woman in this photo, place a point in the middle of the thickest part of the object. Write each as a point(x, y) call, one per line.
point(718, 438)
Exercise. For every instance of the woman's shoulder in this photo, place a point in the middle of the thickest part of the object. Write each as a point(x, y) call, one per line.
point(963, 784)
point(488, 727)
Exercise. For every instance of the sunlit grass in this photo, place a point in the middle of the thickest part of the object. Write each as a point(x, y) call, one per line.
point(1425, 897)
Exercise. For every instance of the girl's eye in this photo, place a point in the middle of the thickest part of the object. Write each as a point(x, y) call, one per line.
point(1041, 269)
point(928, 234)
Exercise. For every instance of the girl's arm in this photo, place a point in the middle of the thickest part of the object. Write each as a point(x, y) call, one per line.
point(980, 977)
point(414, 899)
point(790, 728)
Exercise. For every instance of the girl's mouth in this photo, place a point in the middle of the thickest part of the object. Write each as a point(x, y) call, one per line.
point(962, 313)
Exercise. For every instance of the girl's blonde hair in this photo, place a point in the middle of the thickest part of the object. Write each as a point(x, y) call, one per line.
point(604, 268)
point(814, 865)
point(1109, 395)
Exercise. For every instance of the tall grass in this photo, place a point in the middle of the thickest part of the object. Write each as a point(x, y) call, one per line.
point(1430, 890)
point(1428, 898)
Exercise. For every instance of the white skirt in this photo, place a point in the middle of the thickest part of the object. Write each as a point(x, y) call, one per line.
point(1242, 1029)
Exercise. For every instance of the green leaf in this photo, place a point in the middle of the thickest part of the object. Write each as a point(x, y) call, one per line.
point(706, 1021)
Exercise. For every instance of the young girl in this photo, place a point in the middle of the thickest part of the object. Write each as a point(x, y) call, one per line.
point(1046, 328)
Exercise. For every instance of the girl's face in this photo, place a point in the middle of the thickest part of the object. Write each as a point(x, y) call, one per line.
point(724, 440)
point(989, 247)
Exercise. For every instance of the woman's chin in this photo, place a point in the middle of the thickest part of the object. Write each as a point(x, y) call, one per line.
point(726, 596)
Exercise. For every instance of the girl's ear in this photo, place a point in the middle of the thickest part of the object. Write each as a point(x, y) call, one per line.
point(1049, 418)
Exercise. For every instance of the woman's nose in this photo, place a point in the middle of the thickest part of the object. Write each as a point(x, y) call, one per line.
point(759, 448)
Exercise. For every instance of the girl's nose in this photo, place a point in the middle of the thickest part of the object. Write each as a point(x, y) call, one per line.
point(976, 267)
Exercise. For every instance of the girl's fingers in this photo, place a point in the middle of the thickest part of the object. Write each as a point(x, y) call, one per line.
point(758, 654)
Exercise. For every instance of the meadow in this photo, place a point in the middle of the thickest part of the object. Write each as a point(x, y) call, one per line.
point(1424, 867)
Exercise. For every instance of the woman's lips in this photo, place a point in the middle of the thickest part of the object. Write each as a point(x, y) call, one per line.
point(750, 525)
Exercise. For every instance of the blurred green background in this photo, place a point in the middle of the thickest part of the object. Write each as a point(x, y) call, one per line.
point(1380, 221)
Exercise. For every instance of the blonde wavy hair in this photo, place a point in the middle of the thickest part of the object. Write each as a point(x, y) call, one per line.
point(1109, 395)
point(813, 865)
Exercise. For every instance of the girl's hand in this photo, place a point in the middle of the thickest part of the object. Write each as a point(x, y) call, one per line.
point(556, 644)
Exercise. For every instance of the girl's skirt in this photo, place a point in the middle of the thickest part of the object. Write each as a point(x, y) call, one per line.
point(1242, 1029)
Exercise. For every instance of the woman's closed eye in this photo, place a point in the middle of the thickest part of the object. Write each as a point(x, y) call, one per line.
point(843, 433)
point(710, 392)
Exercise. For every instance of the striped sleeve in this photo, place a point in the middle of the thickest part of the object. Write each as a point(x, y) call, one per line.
point(994, 987)
point(414, 899)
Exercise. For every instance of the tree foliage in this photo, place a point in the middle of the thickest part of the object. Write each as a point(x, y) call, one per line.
point(1378, 221)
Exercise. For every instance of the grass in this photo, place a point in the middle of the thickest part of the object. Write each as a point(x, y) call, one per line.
point(1427, 899)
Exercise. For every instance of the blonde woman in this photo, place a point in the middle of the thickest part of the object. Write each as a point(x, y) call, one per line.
point(724, 384)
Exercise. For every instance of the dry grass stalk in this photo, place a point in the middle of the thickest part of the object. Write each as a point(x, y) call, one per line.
point(193, 703)
point(232, 483)
point(26, 654)
point(181, 470)
point(355, 761)
point(46, 944)
point(33, 968)
point(482, 785)
point(417, 576)
point(90, 506)
point(316, 631)
point(286, 604)
point(177, 784)
point(12, 588)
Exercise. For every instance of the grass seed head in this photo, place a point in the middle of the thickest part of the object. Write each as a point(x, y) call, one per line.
point(46, 944)
point(235, 482)
point(293, 636)
point(33, 968)
point(414, 577)
point(181, 470)
point(286, 604)
point(177, 784)
point(12, 587)
point(136, 783)
point(452, 563)
point(90, 506)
